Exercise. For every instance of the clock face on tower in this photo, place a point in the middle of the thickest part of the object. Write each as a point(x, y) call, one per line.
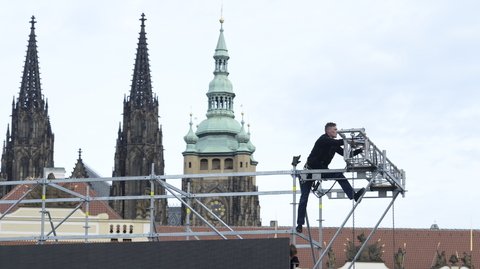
point(217, 208)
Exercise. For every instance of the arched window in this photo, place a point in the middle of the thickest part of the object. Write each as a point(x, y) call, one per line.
point(148, 162)
point(136, 171)
point(148, 125)
point(203, 164)
point(35, 129)
point(189, 164)
point(36, 169)
point(138, 126)
point(137, 167)
point(26, 128)
point(228, 163)
point(23, 168)
point(241, 164)
point(216, 164)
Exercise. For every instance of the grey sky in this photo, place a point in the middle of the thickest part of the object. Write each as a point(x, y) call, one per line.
point(406, 71)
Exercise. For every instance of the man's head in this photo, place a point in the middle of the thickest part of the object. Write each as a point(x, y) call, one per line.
point(331, 129)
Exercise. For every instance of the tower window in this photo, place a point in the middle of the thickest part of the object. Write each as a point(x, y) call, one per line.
point(228, 163)
point(203, 164)
point(189, 164)
point(241, 164)
point(216, 164)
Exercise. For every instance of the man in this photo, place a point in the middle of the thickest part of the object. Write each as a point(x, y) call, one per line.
point(320, 157)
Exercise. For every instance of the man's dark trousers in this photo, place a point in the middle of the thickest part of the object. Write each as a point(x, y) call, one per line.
point(306, 187)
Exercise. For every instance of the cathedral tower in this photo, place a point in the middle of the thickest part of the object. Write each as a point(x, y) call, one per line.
point(139, 144)
point(221, 145)
point(29, 146)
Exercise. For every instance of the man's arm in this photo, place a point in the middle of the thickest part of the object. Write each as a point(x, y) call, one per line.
point(340, 151)
point(327, 141)
point(357, 151)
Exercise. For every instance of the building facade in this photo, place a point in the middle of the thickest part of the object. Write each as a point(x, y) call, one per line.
point(28, 147)
point(221, 145)
point(139, 144)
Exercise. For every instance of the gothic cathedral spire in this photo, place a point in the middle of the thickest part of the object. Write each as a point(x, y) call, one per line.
point(139, 144)
point(29, 145)
point(141, 92)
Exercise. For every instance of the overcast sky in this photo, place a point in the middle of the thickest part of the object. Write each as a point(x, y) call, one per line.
point(406, 71)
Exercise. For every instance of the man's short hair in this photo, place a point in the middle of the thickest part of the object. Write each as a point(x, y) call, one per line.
point(330, 124)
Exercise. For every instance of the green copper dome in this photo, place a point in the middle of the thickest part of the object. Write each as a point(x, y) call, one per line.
point(220, 83)
point(218, 125)
point(191, 138)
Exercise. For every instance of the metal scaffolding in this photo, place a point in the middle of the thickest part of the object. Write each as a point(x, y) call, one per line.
point(385, 180)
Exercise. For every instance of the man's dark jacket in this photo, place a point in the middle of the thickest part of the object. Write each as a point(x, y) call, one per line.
point(324, 150)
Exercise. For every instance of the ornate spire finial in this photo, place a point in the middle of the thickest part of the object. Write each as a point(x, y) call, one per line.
point(221, 15)
point(143, 19)
point(79, 153)
point(221, 19)
point(33, 22)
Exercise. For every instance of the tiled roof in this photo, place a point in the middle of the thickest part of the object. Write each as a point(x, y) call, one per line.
point(95, 207)
point(421, 244)
point(101, 187)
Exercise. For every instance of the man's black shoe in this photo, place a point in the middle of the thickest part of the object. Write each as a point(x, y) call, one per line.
point(359, 194)
point(299, 229)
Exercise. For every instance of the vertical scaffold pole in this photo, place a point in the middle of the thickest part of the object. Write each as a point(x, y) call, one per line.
point(87, 213)
point(42, 229)
point(187, 219)
point(152, 206)
point(296, 160)
point(320, 223)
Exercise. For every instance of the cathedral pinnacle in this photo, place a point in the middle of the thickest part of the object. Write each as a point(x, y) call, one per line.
point(141, 92)
point(30, 91)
